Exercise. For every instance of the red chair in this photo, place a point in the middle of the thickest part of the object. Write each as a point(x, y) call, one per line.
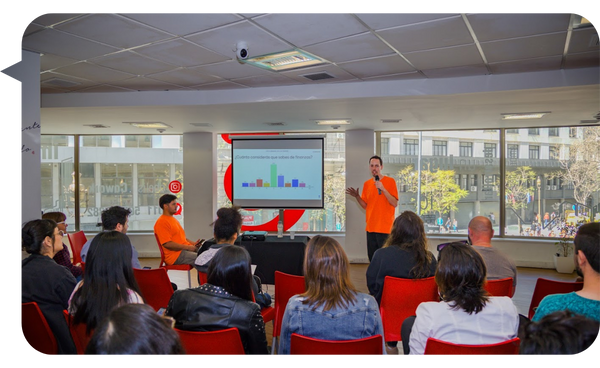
point(77, 241)
point(286, 286)
point(545, 287)
point(202, 277)
point(500, 287)
point(220, 342)
point(307, 345)
point(439, 347)
point(155, 286)
point(400, 300)
point(36, 330)
point(164, 265)
point(78, 333)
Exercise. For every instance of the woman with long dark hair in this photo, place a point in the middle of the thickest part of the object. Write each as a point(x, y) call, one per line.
point(108, 280)
point(467, 314)
point(403, 255)
point(63, 257)
point(223, 302)
point(45, 282)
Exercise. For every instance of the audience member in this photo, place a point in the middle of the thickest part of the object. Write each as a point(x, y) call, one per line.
point(45, 282)
point(587, 257)
point(331, 308)
point(498, 265)
point(561, 332)
point(466, 314)
point(134, 329)
point(63, 257)
point(115, 218)
point(403, 255)
point(225, 231)
point(108, 280)
point(177, 248)
point(225, 301)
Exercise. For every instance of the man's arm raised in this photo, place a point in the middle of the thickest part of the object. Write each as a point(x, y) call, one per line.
point(354, 193)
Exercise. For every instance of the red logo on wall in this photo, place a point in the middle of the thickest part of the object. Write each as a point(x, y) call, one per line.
point(175, 186)
point(179, 209)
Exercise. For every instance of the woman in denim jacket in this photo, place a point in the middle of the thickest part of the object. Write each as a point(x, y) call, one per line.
point(331, 308)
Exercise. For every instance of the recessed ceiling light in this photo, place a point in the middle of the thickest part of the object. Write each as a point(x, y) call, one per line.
point(333, 122)
point(523, 115)
point(287, 60)
point(148, 125)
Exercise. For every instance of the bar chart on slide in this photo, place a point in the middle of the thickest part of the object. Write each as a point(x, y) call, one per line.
point(281, 174)
point(275, 181)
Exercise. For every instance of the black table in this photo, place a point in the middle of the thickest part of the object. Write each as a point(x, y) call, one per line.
point(273, 254)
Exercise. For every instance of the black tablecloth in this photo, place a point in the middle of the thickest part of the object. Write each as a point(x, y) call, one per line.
point(273, 254)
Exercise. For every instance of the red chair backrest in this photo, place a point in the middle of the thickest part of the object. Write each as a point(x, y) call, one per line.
point(163, 264)
point(36, 330)
point(307, 345)
point(78, 333)
point(545, 287)
point(202, 277)
point(435, 346)
point(286, 286)
point(77, 240)
point(226, 341)
point(400, 300)
point(500, 287)
point(155, 286)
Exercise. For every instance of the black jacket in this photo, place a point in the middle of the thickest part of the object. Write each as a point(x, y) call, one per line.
point(211, 308)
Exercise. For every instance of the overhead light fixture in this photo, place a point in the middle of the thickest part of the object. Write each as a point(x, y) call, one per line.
point(524, 115)
point(333, 122)
point(148, 125)
point(581, 22)
point(286, 60)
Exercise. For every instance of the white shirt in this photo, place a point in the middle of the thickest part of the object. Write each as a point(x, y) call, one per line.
point(498, 321)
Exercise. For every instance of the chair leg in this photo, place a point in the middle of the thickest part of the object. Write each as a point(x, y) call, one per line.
point(274, 344)
point(190, 278)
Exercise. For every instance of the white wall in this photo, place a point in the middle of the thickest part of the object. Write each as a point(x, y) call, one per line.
point(27, 71)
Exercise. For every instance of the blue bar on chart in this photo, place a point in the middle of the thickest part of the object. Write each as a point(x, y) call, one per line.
point(244, 185)
point(280, 181)
point(294, 183)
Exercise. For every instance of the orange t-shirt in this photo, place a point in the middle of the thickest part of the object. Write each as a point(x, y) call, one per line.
point(167, 228)
point(380, 213)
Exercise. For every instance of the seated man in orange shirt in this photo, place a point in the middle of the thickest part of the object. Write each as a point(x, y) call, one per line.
point(177, 248)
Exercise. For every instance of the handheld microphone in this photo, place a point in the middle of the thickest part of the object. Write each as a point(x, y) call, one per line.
point(377, 179)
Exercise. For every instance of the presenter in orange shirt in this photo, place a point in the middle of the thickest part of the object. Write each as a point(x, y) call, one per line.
point(177, 248)
point(379, 198)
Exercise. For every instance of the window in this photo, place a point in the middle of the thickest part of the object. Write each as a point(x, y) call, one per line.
point(567, 194)
point(512, 131)
point(466, 149)
point(489, 150)
point(554, 153)
point(440, 148)
point(534, 152)
point(513, 151)
point(411, 146)
point(385, 146)
point(450, 180)
point(112, 172)
point(534, 131)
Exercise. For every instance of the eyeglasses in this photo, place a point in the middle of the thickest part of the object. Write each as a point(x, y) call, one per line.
point(62, 223)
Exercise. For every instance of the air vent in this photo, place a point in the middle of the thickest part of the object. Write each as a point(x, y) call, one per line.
point(318, 76)
point(275, 124)
point(391, 121)
point(57, 82)
point(201, 124)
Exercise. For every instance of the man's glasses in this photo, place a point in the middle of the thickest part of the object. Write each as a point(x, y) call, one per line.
point(62, 223)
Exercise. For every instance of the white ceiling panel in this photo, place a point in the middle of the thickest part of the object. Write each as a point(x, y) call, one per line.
point(49, 62)
point(184, 24)
point(524, 48)
point(459, 71)
point(360, 46)
point(339, 74)
point(133, 63)
point(184, 77)
point(268, 80)
point(445, 58)
point(63, 44)
point(180, 52)
point(377, 66)
point(528, 65)
point(231, 69)
point(382, 21)
point(53, 19)
point(147, 84)
point(490, 27)
point(218, 86)
point(94, 72)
